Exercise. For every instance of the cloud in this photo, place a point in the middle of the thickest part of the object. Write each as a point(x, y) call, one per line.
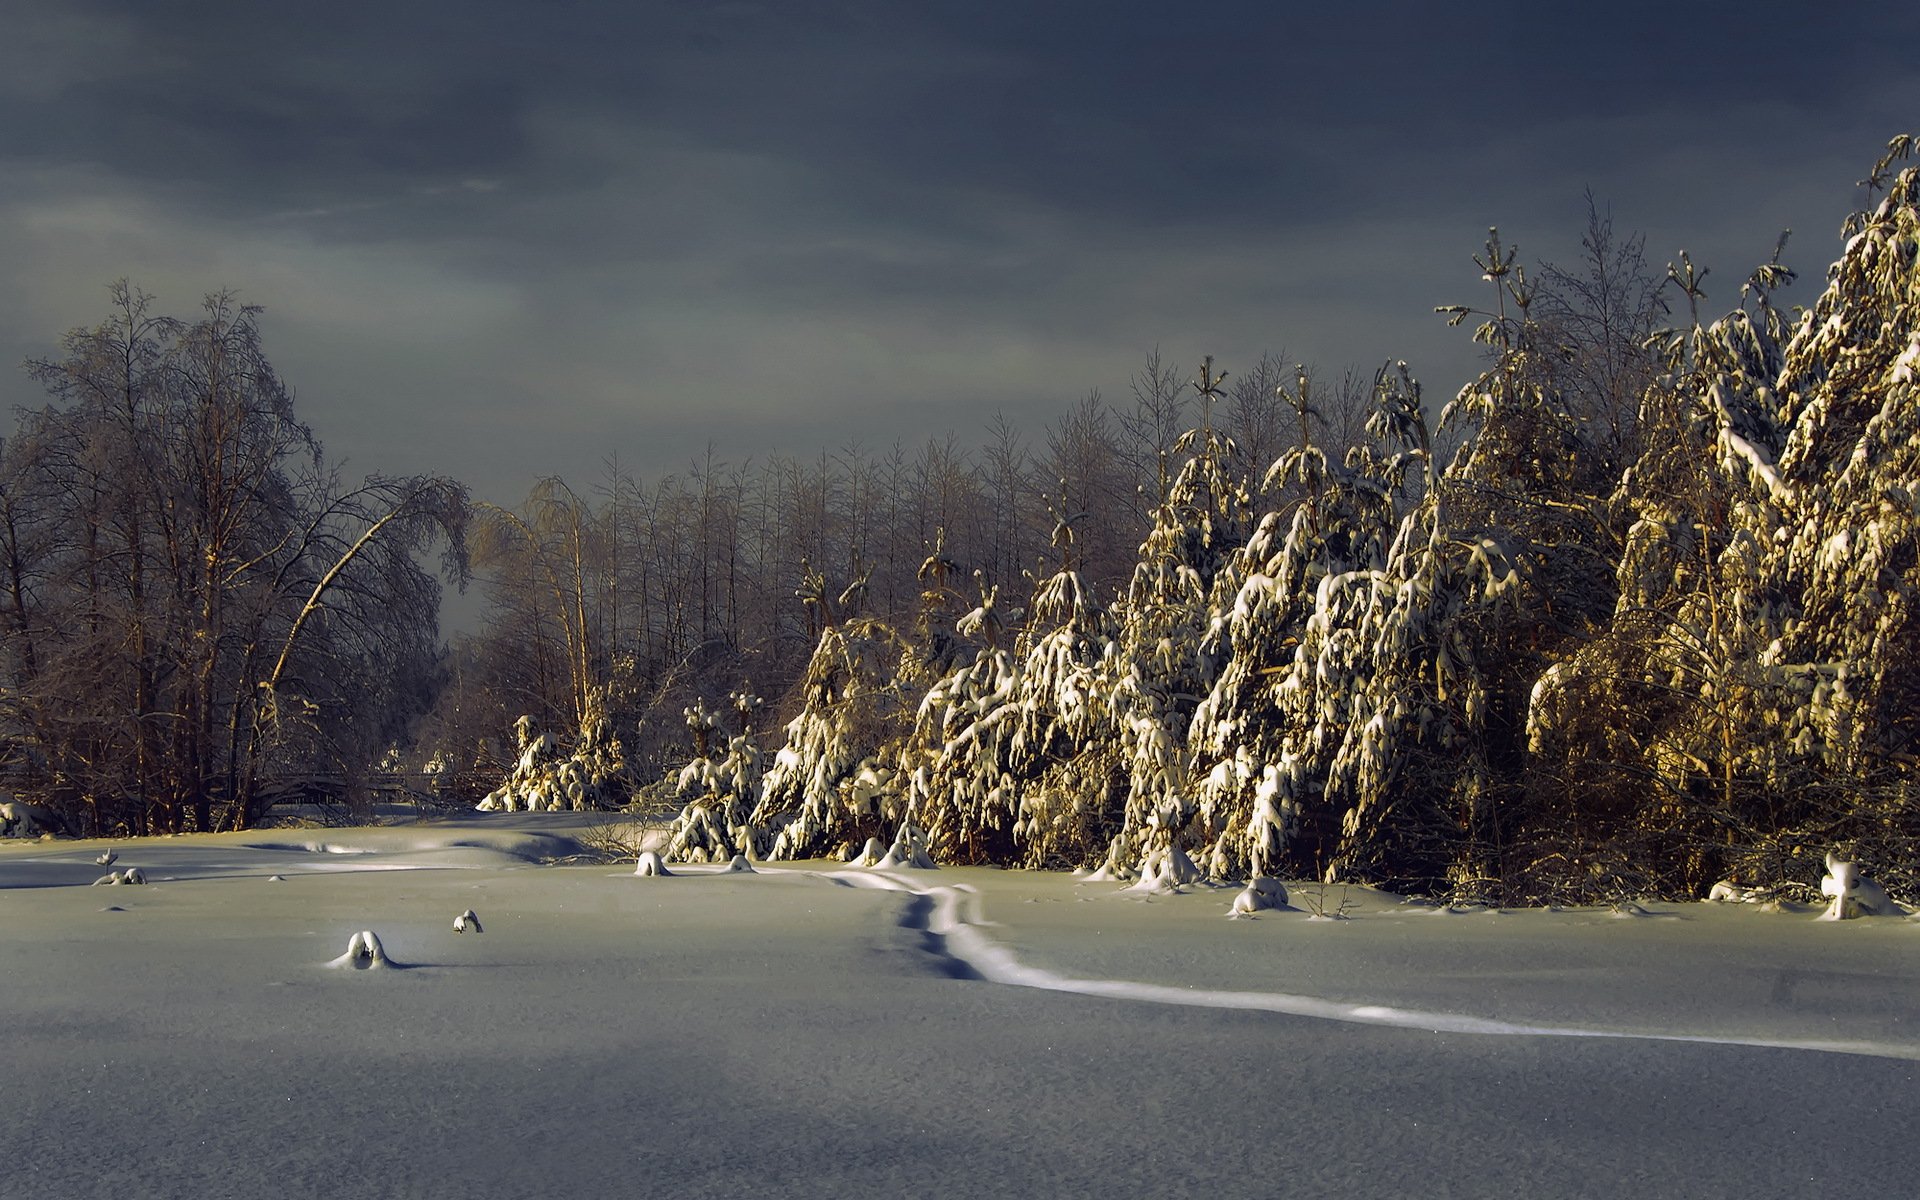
point(501, 241)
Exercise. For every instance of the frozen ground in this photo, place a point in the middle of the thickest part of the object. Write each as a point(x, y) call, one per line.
point(951, 1033)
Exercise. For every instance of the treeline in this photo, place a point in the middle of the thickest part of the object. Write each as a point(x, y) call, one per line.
point(1631, 614)
point(630, 600)
point(199, 618)
point(1648, 624)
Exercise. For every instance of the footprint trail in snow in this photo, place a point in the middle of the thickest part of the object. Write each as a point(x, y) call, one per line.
point(953, 920)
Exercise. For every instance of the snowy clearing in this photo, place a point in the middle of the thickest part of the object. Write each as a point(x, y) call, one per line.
point(829, 1031)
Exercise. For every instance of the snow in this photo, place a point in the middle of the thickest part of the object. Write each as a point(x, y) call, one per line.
point(794, 1032)
point(1853, 894)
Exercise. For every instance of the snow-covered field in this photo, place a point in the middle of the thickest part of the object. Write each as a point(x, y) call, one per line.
point(825, 1032)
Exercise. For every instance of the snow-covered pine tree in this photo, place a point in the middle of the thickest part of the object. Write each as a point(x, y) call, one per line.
point(1848, 550)
point(1763, 650)
point(1409, 776)
point(832, 785)
point(1166, 662)
point(959, 789)
point(1850, 465)
point(1257, 769)
point(1014, 766)
point(1654, 729)
point(719, 786)
point(592, 774)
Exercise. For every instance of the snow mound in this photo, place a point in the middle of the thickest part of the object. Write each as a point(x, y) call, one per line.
point(1728, 892)
point(1165, 871)
point(1247, 903)
point(465, 921)
point(364, 953)
point(741, 865)
point(450, 847)
point(130, 875)
point(1113, 869)
point(651, 865)
point(1853, 894)
point(1262, 893)
point(909, 851)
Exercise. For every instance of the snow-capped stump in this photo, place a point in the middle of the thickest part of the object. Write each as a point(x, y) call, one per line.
point(651, 865)
point(466, 921)
point(741, 865)
point(1853, 894)
point(364, 953)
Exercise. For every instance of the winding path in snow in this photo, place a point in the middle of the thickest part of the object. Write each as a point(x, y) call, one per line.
point(955, 927)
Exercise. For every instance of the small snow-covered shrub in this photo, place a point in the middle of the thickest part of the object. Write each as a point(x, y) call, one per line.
point(1853, 894)
point(593, 774)
point(909, 850)
point(21, 818)
point(719, 788)
point(1166, 870)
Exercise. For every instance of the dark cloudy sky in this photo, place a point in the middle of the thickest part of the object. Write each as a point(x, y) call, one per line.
point(506, 239)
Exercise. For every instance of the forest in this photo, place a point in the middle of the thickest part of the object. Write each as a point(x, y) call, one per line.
point(1627, 615)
